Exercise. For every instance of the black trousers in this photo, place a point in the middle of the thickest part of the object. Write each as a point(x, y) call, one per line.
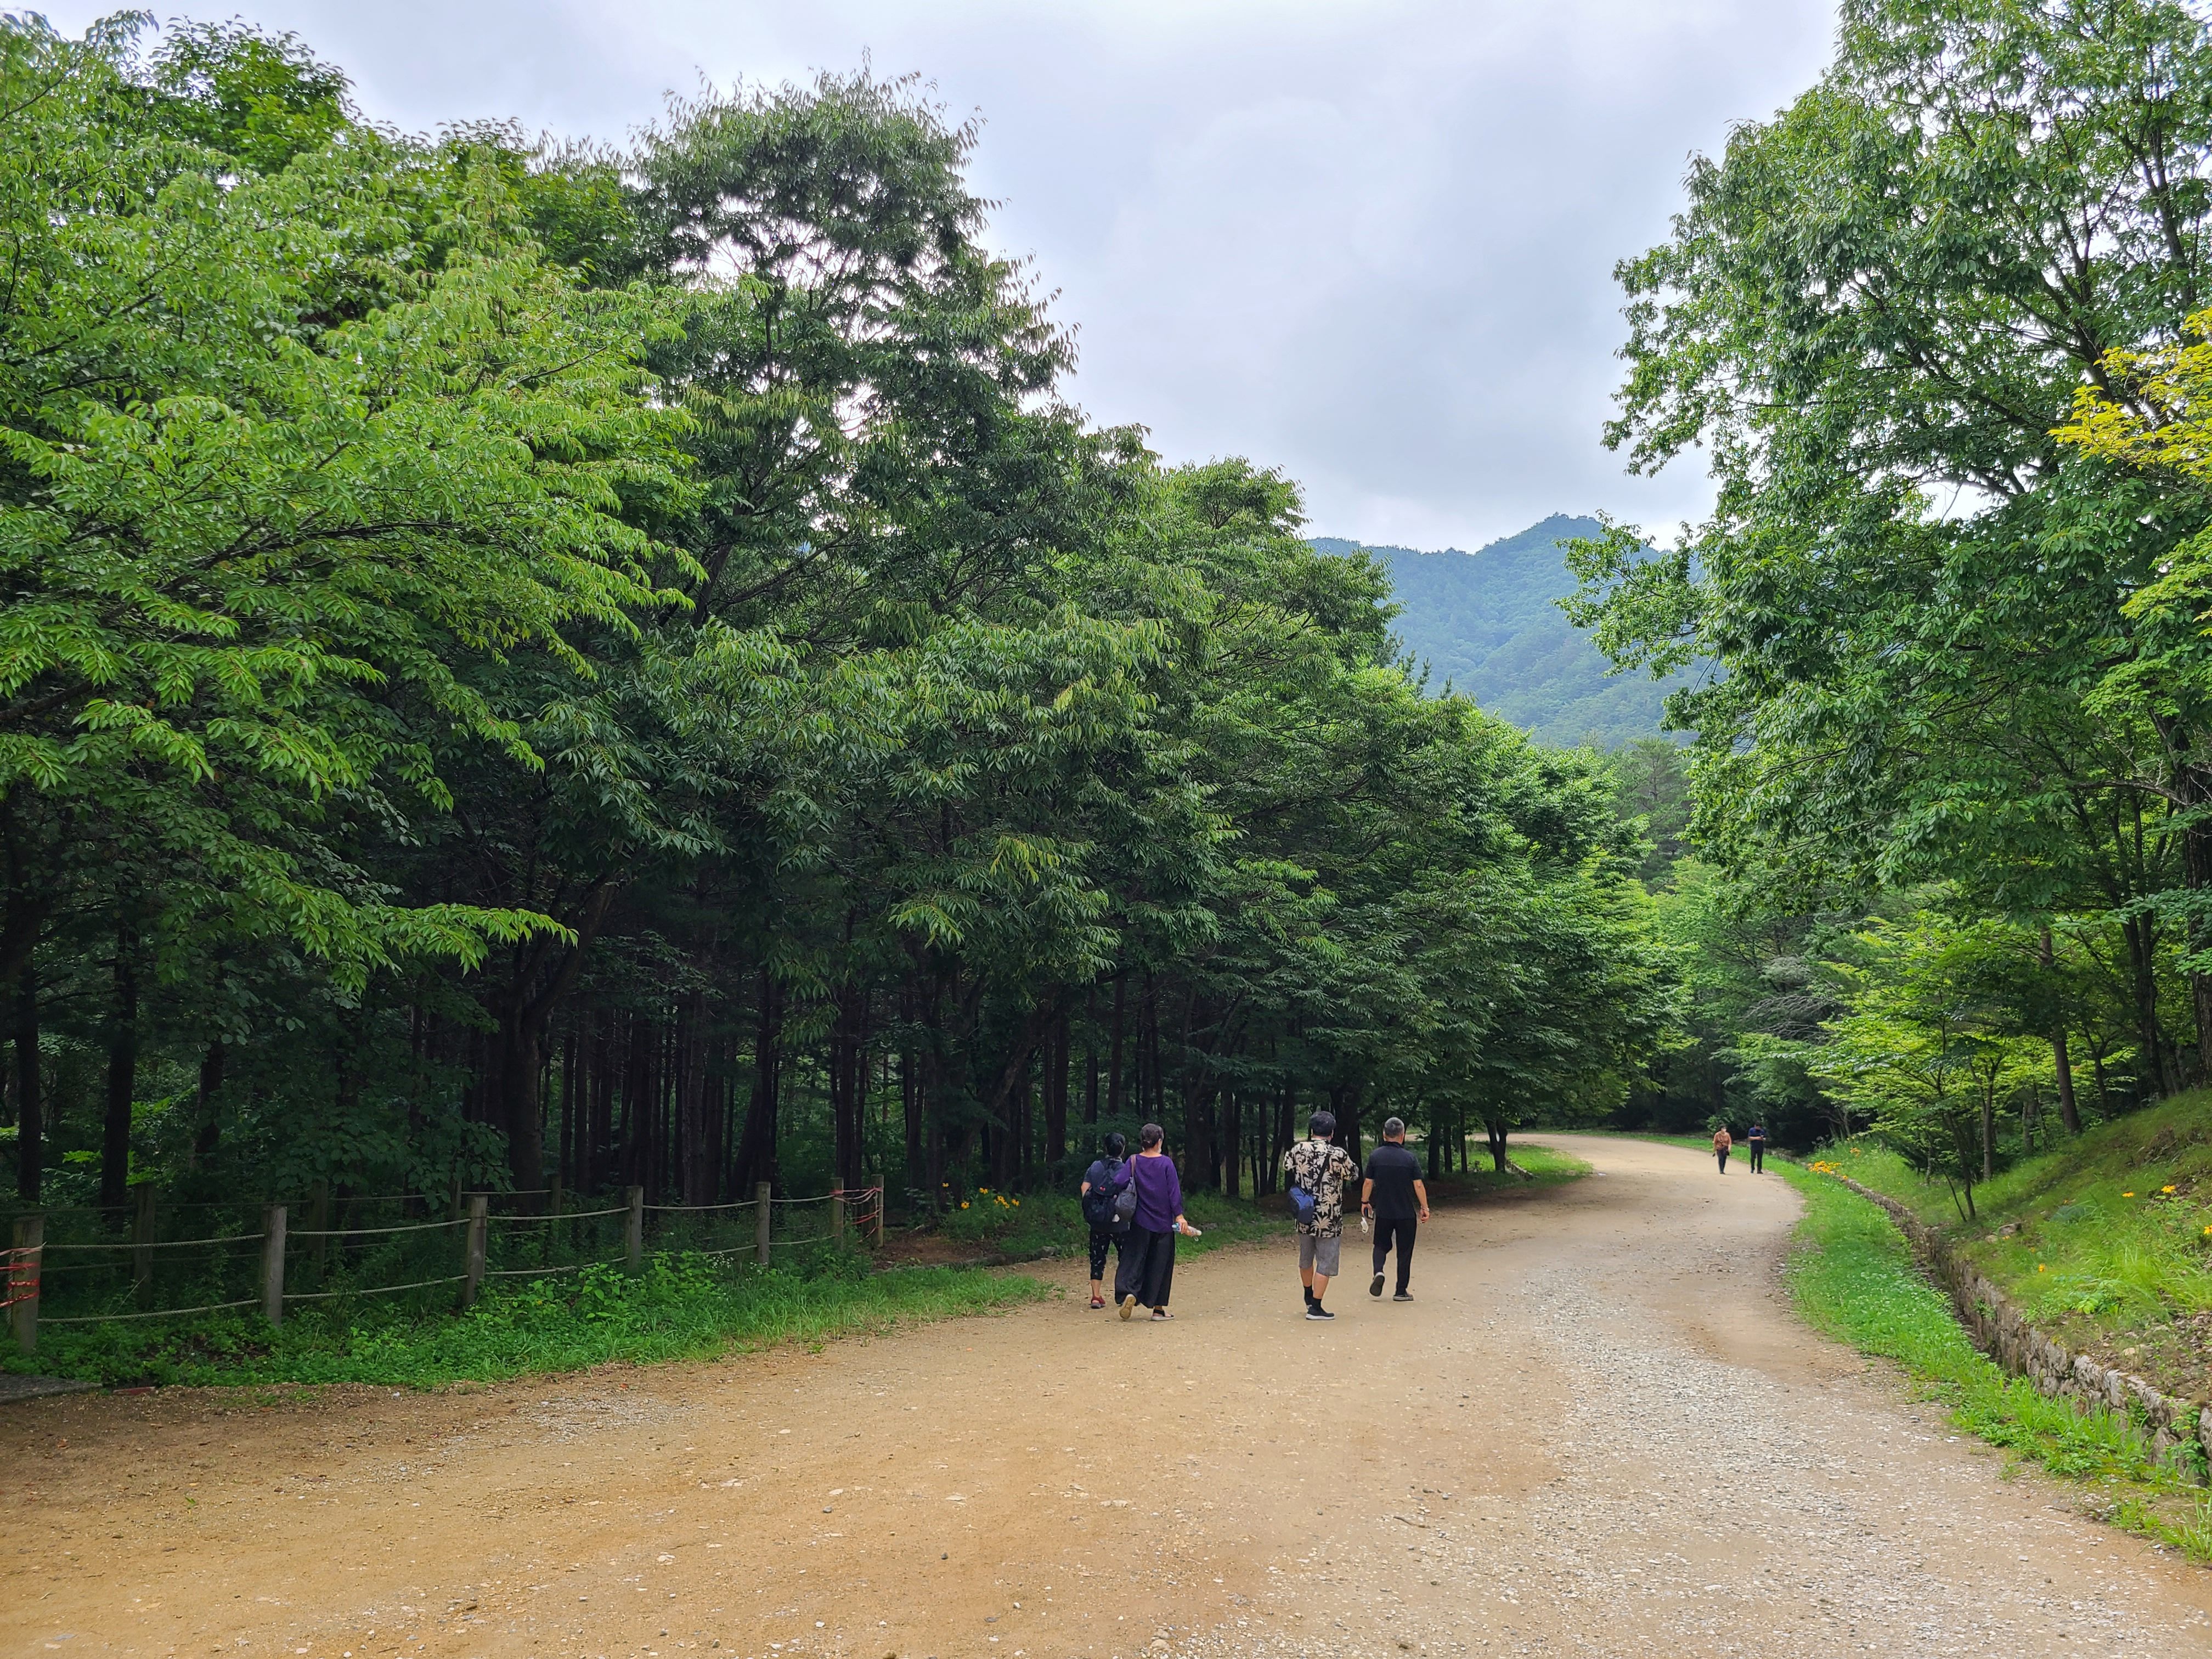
point(1402, 1230)
point(1147, 1266)
point(1757, 1156)
point(1724, 1158)
point(1099, 1243)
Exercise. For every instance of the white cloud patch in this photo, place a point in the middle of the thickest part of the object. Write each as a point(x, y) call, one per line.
point(1371, 244)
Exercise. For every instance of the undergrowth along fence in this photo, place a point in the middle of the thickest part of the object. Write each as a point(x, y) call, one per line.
point(82, 1266)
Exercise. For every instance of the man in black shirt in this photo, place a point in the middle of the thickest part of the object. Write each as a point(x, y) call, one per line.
point(1394, 1197)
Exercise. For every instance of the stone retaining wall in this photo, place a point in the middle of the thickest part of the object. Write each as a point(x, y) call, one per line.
point(2181, 1430)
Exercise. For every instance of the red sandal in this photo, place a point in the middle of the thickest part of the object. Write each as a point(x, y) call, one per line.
point(1097, 1301)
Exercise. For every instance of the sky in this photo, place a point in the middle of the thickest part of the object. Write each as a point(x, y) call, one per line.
point(1370, 243)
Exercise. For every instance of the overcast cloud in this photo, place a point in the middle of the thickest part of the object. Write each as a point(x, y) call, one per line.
point(1371, 244)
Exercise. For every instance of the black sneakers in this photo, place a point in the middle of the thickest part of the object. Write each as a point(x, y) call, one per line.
point(1376, 1289)
point(1315, 1310)
point(1403, 1296)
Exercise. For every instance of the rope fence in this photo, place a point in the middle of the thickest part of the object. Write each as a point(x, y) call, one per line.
point(328, 1263)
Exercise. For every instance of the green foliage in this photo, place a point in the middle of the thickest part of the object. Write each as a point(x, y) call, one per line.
point(680, 1307)
point(1856, 1281)
point(1949, 590)
point(551, 666)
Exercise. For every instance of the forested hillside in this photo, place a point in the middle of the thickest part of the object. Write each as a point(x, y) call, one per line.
point(1488, 626)
point(531, 667)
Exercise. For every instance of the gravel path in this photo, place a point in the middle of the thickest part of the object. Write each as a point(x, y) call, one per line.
point(1598, 1430)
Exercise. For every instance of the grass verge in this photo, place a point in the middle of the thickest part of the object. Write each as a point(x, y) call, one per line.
point(679, 1307)
point(1548, 1165)
point(2104, 1241)
point(1856, 1281)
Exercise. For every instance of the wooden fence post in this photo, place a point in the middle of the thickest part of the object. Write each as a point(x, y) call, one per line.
point(837, 1217)
point(141, 1239)
point(272, 1264)
point(762, 1221)
point(634, 1229)
point(879, 1215)
point(479, 1225)
point(31, 1235)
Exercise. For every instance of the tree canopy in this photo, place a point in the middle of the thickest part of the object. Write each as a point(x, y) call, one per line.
point(531, 664)
point(1931, 326)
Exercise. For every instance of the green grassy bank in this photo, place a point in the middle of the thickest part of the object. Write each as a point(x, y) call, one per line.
point(1854, 1279)
point(680, 1307)
point(2104, 1241)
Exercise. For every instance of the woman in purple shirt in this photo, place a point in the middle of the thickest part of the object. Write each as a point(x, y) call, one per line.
point(1146, 1272)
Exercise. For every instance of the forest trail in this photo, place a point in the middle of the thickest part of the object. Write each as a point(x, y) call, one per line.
point(1598, 1430)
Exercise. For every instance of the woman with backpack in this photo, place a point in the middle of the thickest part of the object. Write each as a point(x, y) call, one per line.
point(1107, 1178)
point(1146, 1273)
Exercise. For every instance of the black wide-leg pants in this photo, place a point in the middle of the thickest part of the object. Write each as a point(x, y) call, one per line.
point(1147, 1266)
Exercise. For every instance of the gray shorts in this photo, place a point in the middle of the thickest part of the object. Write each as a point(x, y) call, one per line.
point(1322, 1255)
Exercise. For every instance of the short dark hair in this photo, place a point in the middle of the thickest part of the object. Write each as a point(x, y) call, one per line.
point(1151, 1135)
point(1321, 1125)
point(1392, 1128)
point(1115, 1144)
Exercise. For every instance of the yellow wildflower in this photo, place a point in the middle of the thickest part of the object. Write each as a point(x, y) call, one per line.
point(2165, 1190)
point(964, 1203)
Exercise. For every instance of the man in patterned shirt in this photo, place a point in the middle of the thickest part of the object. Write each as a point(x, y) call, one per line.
point(1322, 1168)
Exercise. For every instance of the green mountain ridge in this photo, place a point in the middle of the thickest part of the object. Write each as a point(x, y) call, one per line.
point(1487, 624)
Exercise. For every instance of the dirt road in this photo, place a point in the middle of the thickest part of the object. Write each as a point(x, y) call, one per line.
point(1597, 1430)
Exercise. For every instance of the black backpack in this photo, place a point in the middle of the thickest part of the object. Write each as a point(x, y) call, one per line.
point(1099, 1203)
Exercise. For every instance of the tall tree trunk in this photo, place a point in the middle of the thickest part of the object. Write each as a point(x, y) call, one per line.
point(1055, 1093)
point(545, 973)
point(2068, 1113)
point(910, 1103)
point(703, 1175)
point(757, 1145)
point(1344, 1100)
point(1286, 1115)
point(2196, 875)
point(568, 1107)
point(2153, 1078)
point(1232, 1138)
point(1113, 1063)
point(122, 1074)
point(847, 1084)
point(1090, 1057)
point(208, 1133)
point(30, 1105)
point(1152, 1087)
